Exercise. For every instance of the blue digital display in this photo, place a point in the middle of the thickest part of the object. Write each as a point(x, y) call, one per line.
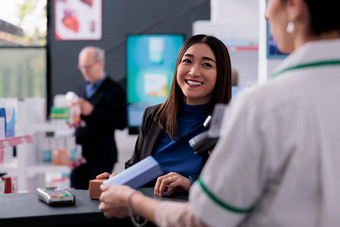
point(150, 66)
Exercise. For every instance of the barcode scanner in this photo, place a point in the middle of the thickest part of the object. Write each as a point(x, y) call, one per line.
point(207, 140)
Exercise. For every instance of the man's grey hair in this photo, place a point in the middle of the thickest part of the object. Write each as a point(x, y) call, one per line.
point(98, 53)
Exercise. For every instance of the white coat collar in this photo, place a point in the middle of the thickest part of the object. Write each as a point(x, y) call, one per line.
point(313, 51)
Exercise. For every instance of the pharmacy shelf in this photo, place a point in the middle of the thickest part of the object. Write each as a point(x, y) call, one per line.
point(12, 165)
point(59, 129)
point(48, 167)
point(9, 166)
point(30, 173)
point(13, 141)
point(34, 169)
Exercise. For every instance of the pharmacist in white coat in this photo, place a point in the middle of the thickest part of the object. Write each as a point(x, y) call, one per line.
point(277, 162)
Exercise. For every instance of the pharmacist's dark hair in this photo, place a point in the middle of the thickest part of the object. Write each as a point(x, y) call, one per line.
point(167, 113)
point(324, 16)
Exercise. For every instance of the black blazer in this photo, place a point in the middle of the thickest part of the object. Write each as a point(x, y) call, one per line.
point(147, 138)
point(109, 114)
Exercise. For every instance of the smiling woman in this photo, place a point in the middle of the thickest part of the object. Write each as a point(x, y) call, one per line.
point(276, 163)
point(196, 74)
point(221, 93)
point(202, 78)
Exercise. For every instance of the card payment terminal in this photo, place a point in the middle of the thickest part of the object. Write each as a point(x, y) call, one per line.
point(56, 196)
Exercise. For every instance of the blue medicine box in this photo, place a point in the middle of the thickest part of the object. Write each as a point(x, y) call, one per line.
point(137, 175)
point(10, 122)
point(2, 123)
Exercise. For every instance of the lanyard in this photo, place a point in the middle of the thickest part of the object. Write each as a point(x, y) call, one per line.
point(307, 65)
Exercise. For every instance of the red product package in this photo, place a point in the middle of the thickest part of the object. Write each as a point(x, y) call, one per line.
point(11, 183)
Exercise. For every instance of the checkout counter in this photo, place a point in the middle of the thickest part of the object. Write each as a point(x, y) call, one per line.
point(25, 209)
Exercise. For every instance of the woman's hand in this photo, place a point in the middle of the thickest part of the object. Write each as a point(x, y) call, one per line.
point(114, 200)
point(172, 182)
point(105, 175)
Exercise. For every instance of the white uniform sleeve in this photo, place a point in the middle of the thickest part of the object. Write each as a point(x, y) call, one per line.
point(233, 177)
point(176, 214)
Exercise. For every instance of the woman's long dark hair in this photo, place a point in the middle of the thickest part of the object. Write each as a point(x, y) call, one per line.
point(167, 113)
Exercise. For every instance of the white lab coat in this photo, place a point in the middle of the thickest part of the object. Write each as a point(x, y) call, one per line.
point(279, 152)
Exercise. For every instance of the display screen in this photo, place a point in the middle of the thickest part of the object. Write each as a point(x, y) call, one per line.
point(150, 66)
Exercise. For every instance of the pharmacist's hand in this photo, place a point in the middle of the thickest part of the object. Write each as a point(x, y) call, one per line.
point(172, 182)
point(114, 200)
point(86, 107)
point(105, 175)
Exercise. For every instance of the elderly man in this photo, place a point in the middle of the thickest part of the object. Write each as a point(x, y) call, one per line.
point(103, 109)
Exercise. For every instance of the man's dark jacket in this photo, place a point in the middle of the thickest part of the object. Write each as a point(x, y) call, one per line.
point(109, 113)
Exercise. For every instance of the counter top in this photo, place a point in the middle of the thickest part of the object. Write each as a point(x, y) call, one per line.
point(25, 209)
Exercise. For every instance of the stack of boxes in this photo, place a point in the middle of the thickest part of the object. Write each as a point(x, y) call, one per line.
point(57, 149)
point(61, 149)
point(7, 126)
point(28, 116)
point(8, 109)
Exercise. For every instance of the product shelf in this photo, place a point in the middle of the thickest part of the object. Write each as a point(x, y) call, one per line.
point(13, 141)
point(9, 166)
point(48, 167)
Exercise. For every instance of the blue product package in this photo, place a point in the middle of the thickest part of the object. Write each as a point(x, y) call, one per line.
point(2, 123)
point(137, 175)
point(10, 122)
